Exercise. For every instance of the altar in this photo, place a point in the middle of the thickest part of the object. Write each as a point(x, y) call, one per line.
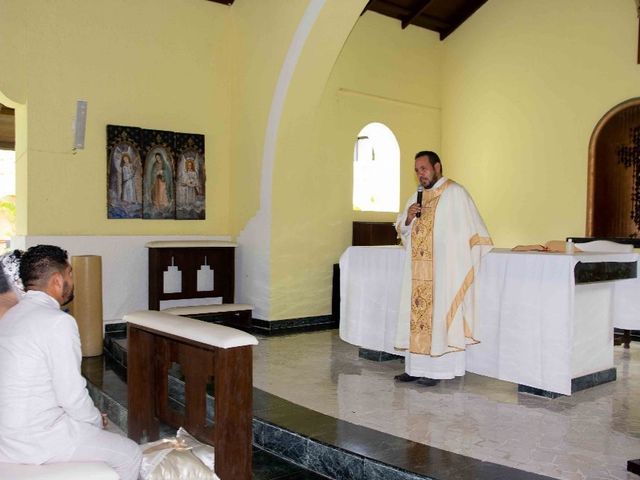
point(545, 319)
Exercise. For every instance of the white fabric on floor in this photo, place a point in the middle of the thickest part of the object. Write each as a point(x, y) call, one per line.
point(442, 368)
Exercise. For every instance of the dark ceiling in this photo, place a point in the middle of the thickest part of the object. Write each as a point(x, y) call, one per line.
point(442, 16)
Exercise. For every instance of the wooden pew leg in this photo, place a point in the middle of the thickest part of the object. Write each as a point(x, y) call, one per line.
point(195, 383)
point(233, 412)
point(142, 422)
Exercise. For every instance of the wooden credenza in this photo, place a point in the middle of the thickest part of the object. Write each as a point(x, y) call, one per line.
point(374, 233)
point(188, 256)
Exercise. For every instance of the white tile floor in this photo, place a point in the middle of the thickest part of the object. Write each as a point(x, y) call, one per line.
point(589, 435)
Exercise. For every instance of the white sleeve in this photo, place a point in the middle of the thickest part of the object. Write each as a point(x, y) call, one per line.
point(64, 360)
point(405, 230)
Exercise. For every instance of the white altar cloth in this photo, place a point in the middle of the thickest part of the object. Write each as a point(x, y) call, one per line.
point(626, 304)
point(536, 326)
point(370, 283)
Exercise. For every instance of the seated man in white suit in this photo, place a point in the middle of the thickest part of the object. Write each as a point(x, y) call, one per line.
point(46, 414)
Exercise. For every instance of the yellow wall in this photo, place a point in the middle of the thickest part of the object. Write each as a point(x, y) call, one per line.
point(262, 34)
point(137, 63)
point(526, 83)
point(312, 196)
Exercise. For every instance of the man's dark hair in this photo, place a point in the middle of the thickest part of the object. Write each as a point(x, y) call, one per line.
point(40, 262)
point(5, 286)
point(10, 270)
point(432, 156)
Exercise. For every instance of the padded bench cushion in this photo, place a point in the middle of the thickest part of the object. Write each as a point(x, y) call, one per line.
point(189, 244)
point(216, 308)
point(207, 333)
point(58, 471)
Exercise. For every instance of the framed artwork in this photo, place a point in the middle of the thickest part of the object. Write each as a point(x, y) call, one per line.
point(155, 174)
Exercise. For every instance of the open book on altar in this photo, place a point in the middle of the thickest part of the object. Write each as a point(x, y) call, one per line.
point(551, 246)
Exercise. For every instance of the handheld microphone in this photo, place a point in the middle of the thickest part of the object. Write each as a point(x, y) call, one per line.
point(419, 199)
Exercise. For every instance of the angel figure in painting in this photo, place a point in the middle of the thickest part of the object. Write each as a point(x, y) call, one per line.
point(124, 181)
point(190, 183)
point(128, 172)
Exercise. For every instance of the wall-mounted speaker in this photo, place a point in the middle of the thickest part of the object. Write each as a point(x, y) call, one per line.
point(80, 124)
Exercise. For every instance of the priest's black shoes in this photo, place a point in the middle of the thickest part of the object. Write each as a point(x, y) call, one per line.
point(405, 377)
point(424, 381)
point(428, 382)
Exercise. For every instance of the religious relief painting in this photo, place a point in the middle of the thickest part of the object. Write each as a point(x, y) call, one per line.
point(155, 174)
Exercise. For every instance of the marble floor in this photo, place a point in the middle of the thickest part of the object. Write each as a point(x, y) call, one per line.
point(589, 435)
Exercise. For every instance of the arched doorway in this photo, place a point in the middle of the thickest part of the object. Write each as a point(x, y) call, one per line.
point(613, 191)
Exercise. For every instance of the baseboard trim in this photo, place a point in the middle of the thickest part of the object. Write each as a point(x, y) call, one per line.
point(293, 325)
point(115, 328)
point(262, 327)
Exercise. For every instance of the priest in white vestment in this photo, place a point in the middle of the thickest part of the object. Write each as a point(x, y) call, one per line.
point(445, 240)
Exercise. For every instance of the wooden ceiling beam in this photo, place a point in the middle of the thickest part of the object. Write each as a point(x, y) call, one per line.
point(392, 10)
point(462, 16)
point(408, 20)
point(366, 7)
point(432, 23)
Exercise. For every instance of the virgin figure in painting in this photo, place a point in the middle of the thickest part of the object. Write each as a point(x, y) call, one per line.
point(159, 187)
point(159, 190)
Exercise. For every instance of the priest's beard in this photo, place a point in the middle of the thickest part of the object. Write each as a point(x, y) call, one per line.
point(427, 184)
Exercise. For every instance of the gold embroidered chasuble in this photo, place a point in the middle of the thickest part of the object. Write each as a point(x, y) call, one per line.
point(421, 326)
point(456, 235)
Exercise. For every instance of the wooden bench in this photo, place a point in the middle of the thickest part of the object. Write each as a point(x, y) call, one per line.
point(206, 353)
point(58, 471)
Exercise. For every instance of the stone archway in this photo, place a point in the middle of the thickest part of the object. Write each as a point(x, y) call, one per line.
point(613, 190)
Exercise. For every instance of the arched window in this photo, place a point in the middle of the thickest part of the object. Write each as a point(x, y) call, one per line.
point(376, 170)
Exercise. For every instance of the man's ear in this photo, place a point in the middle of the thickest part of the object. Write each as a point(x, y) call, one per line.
point(438, 168)
point(56, 280)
